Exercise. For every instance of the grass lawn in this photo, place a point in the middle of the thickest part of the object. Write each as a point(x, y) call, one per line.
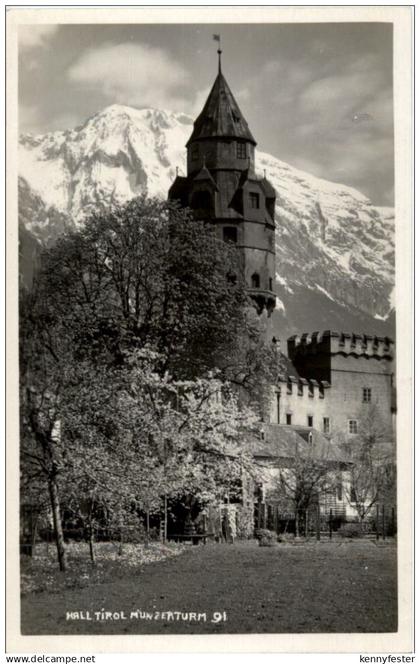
point(316, 587)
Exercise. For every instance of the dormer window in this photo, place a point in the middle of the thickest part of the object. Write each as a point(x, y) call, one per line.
point(254, 200)
point(195, 153)
point(241, 150)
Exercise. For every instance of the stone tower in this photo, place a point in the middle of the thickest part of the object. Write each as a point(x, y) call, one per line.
point(221, 187)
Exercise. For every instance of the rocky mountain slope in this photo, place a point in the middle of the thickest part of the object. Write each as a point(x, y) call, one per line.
point(335, 250)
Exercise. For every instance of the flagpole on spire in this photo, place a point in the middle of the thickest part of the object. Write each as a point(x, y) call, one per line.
point(219, 51)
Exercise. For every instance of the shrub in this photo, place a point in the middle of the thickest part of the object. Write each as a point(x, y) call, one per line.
point(285, 537)
point(263, 532)
point(267, 542)
point(245, 522)
point(351, 530)
point(265, 537)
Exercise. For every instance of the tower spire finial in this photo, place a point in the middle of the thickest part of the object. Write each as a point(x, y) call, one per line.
point(219, 51)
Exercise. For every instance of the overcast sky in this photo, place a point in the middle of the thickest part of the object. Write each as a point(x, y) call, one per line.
point(318, 96)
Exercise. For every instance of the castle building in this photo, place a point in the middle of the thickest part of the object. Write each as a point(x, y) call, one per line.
point(331, 379)
point(221, 186)
point(332, 376)
point(334, 381)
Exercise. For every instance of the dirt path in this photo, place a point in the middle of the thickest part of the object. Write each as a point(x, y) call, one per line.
point(313, 588)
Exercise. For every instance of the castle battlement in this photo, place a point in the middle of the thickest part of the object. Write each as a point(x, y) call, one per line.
point(340, 343)
point(312, 389)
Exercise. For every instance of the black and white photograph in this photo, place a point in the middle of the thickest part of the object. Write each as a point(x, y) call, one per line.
point(208, 387)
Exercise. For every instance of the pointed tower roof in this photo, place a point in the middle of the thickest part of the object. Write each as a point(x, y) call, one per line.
point(221, 116)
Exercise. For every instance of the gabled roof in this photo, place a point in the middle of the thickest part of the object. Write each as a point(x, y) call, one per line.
point(179, 188)
point(267, 188)
point(221, 116)
point(204, 175)
point(285, 441)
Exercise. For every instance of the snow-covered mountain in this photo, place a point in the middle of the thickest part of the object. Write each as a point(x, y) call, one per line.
point(335, 250)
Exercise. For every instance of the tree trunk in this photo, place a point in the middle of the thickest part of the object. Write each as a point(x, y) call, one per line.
point(147, 527)
point(120, 548)
point(297, 523)
point(58, 529)
point(91, 548)
point(34, 526)
point(165, 523)
point(318, 525)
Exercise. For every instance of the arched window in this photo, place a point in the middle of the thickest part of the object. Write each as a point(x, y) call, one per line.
point(255, 280)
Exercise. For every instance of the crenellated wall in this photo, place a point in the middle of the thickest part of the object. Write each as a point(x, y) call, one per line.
point(306, 346)
point(318, 354)
point(341, 377)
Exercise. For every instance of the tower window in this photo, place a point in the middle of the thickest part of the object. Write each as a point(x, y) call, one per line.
point(194, 151)
point(270, 284)
point(241, 150)
point(310, 420)
point(367, 395)
point(230, 234)
point(288, 418)
point(353, 428)
point(254, 200)
point(255, 280)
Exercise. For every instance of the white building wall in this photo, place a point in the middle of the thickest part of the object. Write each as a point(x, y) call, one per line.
point(300, 403)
